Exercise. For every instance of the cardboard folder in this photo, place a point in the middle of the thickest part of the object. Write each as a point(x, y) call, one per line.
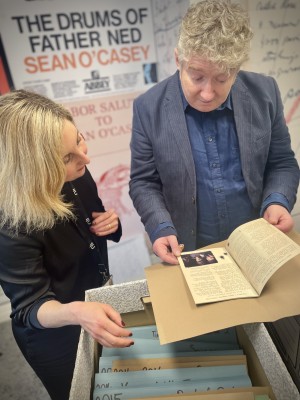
point(178, 317)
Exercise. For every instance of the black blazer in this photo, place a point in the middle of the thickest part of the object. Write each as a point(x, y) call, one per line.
point(53, 264)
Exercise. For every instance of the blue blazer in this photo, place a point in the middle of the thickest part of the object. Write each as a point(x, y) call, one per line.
point(163, 179)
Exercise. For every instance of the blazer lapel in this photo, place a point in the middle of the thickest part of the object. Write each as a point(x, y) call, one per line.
point(178, 129)
point(243, 120)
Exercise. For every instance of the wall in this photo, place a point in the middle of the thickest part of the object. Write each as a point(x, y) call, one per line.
point(275, 52)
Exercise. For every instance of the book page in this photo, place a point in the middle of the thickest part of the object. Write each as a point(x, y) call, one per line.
point(212, 275)
point(260, 250)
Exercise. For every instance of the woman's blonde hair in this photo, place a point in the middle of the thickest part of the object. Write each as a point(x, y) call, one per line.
point(217, 30)
point(32, 172)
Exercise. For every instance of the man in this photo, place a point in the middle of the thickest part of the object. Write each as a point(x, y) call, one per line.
point(210, 146)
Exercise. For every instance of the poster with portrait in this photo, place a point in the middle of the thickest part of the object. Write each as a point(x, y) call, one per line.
point(105, 122)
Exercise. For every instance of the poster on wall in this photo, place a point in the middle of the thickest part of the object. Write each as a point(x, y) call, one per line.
point(73, 49)
point(105, 122)
point(5, 79)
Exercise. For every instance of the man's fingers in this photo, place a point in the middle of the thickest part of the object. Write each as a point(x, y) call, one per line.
point(169, 258)
point(177, 249)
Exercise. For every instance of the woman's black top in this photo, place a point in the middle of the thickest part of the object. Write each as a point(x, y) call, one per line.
point(58, 263)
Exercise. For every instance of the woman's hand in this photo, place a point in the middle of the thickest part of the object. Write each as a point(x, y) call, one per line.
point(100, 320)
point(104, 324)
point(104, 223)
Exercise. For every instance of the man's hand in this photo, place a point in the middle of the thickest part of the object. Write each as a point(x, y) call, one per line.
point(280, 217)
point(168, 249)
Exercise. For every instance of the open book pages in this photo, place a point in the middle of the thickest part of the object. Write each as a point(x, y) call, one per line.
point(252, 254)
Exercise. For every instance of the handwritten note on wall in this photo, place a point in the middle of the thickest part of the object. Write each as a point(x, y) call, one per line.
point(167, 15)
point(275, 52)
point(275, 48)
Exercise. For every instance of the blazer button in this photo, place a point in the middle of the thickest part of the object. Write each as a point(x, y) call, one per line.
point(193, 232)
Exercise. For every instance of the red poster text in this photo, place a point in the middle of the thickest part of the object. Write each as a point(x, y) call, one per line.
point(85, 59)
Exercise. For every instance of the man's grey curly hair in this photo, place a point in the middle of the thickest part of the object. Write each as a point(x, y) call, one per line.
point(216, 30)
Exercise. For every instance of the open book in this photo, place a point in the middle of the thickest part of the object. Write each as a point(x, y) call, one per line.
point(252, 254)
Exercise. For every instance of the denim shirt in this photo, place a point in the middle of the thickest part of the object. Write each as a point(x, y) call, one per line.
point(222, 199)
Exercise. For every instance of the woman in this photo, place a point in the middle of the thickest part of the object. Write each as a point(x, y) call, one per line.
point(53, 232)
